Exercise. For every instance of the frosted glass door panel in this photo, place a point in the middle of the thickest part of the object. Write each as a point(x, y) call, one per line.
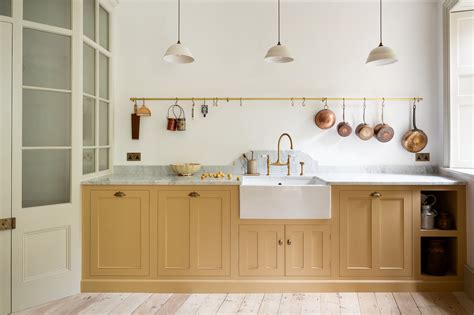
point(89, 19)
point(103, 76)
point(46, 177)
point(46, 60)
point(103, 159)
point(88, 122)
point(88, 161)
point(51, 12)
point(6, 7)
point(103, 123)
point(46, 118)
point(103, 28)
point(89, 70)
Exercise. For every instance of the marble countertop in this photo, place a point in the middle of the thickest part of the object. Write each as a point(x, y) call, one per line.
point(332, 178)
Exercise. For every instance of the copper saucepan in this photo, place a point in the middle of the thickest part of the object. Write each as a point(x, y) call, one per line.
point(343, 128)
point(416, 139)
point(325, 118)
point(383, 132)
point(363, 130)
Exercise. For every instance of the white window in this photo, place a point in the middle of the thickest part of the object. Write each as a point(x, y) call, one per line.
point(462, 89)
point(96, 89)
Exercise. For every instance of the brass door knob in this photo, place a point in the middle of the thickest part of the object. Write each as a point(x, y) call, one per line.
point(119, 194)
point(280, 242)
point(376, 194)
point(288, 242)
point(194, 194)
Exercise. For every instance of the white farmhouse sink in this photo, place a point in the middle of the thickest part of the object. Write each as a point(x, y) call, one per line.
point(285, 197)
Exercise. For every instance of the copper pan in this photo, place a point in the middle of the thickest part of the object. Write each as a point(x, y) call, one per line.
point(363, 130)
point(325, 118)
point(383, 132)
point(343, 128)
point(416, 139)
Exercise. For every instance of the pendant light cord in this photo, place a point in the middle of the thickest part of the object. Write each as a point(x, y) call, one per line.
point(279, 22)
point(179, 21)
point(380, 14)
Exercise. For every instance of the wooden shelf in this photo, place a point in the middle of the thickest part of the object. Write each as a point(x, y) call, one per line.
point(439, 233)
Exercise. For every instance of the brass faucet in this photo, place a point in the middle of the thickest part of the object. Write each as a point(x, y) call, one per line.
point(278, 162)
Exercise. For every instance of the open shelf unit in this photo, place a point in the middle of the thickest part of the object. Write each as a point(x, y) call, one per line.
point(451, 199)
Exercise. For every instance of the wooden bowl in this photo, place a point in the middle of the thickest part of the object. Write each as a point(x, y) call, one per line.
point(187, 169)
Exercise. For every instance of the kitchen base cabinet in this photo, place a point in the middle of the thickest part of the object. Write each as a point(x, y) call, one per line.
point(376, 233)
point(194, 233)
point(308, 250)
point(120, 234)
point(261, 250)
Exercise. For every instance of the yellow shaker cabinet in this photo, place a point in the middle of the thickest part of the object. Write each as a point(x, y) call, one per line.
point(261, 250)
point(376, 233)
point(308, 250)
point(194, 233)
point(119, 233)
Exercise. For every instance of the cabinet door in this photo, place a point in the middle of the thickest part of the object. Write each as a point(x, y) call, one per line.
point(261, 250)
point(356, 234)
point(120, 233)
point(393, 232)
point(194, 233)
point(376, 233)
point(308, 250)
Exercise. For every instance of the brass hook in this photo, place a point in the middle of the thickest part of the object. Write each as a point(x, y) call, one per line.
point(304, 102)
point(325, 103)
point(175, 103)
point(292, 102)
point(240, 102)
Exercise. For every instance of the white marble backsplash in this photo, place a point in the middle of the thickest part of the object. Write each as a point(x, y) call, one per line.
point(239, 166)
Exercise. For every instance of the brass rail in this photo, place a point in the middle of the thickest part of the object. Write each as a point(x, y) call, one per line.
point(303, 99)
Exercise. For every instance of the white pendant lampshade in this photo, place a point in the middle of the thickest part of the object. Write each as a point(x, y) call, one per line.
point(381, 55)
point(178, 53)
point(278, 53)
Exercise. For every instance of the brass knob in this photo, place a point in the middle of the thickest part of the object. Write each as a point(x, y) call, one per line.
point(288, 242)
point(194, 194)
point(376, 194)
point(119, 194)
point(280, 242)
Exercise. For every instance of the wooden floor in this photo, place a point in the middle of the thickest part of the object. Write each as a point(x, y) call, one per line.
point(287, 303)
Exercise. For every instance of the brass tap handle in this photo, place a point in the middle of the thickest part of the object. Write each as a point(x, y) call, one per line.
point(119, 194)
point(301, 168)
point(288, 242)
point(280, 242)
point(376, 194)
point(268, 163)
point(288, 163)
point(194, 194)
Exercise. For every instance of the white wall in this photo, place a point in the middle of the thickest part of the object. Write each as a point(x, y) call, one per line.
point(330, 41)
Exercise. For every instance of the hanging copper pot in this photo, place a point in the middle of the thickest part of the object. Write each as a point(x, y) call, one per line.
point(343, 128)
point(383, 132)
point(325, 118)
point(414, 140)
point(363, 130)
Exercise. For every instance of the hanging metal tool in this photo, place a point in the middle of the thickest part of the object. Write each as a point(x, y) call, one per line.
point(204, 109)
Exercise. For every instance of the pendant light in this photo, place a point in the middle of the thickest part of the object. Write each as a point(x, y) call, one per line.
point(381, 55)
point(278, 53)
point(178, 53)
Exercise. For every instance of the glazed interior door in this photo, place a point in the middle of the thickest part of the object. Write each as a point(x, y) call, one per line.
point(44, 262)
point(5, 162)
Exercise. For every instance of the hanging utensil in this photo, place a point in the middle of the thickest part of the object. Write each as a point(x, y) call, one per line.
point(383, 132)
point(181, 120)
point(135, 120)
point(416, 139)
point(343, 128)
point(363, 130)
point(204, 109)
point(192, 110)
point(325, 118)
point(172, 121)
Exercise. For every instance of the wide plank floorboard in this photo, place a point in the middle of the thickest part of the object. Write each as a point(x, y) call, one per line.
point(370, 303)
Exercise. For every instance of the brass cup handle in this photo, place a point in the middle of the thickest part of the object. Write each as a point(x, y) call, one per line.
point(376, 194)
point(119, 194)
point(194, 194)
point(280, 242)
point(288, 242)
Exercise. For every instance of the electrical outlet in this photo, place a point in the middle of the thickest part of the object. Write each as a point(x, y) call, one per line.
point(422, 157)
point(134, 156)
